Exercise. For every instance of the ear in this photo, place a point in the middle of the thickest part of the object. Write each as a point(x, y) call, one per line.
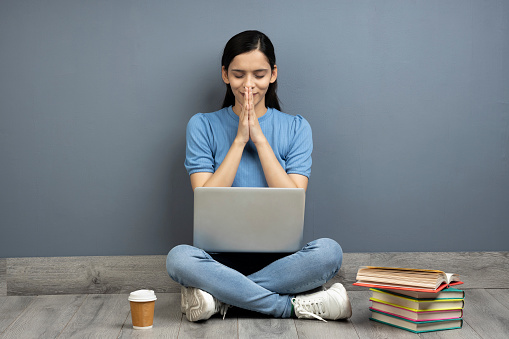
point(274, 75)
point(224, 74)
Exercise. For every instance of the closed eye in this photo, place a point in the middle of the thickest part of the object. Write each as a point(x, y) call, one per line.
point(256, 76)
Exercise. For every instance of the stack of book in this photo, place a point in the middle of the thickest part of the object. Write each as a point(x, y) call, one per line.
point(413, 299)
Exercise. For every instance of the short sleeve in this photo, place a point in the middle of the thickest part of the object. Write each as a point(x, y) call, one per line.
point(298, 160)
point(199, 155)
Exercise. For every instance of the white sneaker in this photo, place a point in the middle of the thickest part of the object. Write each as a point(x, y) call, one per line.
point(200, 305)
point(183, 299)
point(331, 304)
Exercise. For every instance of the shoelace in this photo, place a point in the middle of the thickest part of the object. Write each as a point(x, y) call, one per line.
point(221, 307)
point(309, 308)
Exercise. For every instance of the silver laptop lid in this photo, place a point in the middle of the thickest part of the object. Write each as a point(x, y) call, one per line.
point(248, 219)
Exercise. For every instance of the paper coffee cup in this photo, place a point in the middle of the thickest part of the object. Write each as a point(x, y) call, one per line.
point(142, 308)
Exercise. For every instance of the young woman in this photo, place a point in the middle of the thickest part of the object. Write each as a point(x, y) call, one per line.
point(250, 142)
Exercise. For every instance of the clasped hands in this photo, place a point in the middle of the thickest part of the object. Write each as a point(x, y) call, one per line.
point(249, 127)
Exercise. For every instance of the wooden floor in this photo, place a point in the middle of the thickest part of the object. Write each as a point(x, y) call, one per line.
point(108, 316)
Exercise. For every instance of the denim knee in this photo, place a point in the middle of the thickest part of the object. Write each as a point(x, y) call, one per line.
point(331, 252)
point(178, 259)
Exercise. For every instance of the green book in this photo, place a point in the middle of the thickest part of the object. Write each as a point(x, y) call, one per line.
point(414, 326)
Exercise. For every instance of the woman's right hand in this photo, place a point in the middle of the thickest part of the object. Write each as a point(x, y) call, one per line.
point(243, 130)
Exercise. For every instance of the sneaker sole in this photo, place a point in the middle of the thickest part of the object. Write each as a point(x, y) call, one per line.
point(183, 299)
point(196, 305)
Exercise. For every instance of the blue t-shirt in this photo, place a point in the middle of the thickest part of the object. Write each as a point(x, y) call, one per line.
point(209, 137)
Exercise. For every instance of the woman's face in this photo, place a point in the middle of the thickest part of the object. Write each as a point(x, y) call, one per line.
point(251, 70)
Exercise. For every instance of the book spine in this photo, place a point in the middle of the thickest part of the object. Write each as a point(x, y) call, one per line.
point(410, 319)
point(407, 329)
point(414, 309)
point(410, 298)
point(444, 294)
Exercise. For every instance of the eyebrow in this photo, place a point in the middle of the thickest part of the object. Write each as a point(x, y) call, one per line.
point(255, 71)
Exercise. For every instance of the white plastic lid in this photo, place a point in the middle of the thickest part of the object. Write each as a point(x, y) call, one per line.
point(142, 296)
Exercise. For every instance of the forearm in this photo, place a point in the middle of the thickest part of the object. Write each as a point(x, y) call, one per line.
point(225, 174)
point(275, 175)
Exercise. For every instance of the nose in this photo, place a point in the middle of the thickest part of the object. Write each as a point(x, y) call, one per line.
point(249, 81)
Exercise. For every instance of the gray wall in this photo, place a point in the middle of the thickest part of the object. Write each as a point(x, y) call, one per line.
point(408, 100)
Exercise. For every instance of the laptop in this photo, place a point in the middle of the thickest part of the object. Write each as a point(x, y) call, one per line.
point(249, 219)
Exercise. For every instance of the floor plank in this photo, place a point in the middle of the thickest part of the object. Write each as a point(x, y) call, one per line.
point(167, 319)
point(94, 275)
point(466, 332)
point(311, 329)
point(3, 277)
point(215, 327)
point(488, 317)
point(265, 327)
point(502, 296)
point(366, 328)
point(99, 314)
point(11, 308)
point(45, 317)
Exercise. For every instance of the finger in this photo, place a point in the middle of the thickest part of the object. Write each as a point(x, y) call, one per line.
point(246, 97)
point(247, 106)
point(252, 116)
point(250, 99)
point(244, 116)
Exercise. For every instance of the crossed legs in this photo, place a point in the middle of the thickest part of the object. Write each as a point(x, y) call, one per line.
point(267, 291)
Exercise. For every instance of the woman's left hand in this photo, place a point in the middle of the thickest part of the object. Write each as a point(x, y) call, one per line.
point(255, 131)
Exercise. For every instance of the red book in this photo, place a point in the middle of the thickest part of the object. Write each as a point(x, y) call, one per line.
point(403, 288)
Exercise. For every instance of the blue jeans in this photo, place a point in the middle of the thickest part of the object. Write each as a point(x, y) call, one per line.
point(268, 290)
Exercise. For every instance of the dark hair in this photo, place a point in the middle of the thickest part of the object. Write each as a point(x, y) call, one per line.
point(246, 42)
